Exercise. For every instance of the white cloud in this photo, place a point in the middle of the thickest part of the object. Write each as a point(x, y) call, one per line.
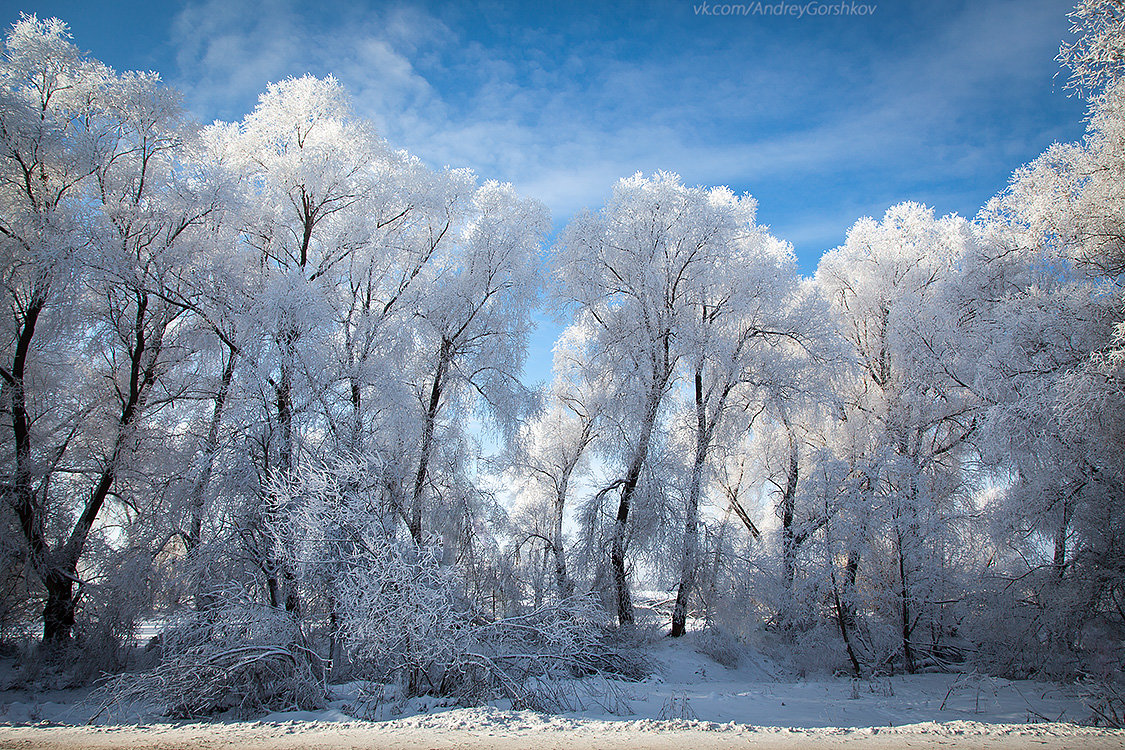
point(227, 52)
point(563, 119)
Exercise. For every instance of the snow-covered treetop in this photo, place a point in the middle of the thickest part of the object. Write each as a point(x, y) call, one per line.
point(1097, 56)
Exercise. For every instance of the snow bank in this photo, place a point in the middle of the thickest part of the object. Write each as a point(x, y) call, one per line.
point(689, 699)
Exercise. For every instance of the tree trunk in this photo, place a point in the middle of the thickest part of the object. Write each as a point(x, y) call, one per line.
point(284, 404)
point(845, 613)
point(284, 591)
point(788, 535)
point(357, 415)
point(28, 510)
point(625, 615)
point(429, 423)
point(562, 580)
point(691, 517)
point(282, 393)
point(904, 595)
point(623, 599)
point(210, 449)
point(1059, 560)
point(58, 613)
point(789, 539)
point(691, 553)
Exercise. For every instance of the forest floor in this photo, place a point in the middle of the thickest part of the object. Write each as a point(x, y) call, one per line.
point(689, 701)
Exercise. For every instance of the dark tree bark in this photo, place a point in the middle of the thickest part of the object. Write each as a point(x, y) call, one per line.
point(624, 599)
point(691, 521)
point(845, 612)
point(429, 424)
point(58, 614)
point(562, 580)
point(210, 449)
point(58, 568)
point(904, 595)
point(789, 541)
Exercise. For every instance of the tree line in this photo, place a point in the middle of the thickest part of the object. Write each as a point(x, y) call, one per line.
point(254, 363)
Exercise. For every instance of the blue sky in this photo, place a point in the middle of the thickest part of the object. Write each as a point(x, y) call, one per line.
point(823, 120)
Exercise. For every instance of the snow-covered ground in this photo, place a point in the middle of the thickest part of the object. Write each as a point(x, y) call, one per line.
point(689, 701)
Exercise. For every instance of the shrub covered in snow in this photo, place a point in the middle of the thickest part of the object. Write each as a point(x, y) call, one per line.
point(400, 612)
point(237, 655)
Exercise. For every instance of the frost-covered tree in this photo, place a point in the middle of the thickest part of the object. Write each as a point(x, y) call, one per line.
point(307, 162)
point(912, 404)
point(1047, 439)
point(327, 222)
point(751, 321)
point(98, 221)
point(554, 447)
point(472, 335)
point(633, 269)
point(48, 94)
point(1052, 305)
point(1096, 58)
point(405, 615)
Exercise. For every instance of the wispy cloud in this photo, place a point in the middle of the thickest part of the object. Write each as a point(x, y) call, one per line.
point(227, 52)
point(563, 113)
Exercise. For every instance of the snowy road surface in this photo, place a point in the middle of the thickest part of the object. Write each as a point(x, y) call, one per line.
point(522, 733)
